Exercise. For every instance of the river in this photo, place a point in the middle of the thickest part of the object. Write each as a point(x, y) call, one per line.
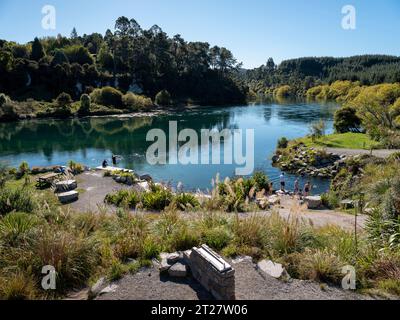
point(91, 140)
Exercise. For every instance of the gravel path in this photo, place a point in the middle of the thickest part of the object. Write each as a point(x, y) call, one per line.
point(149, 285)
point(381, 153)
point(250, 285)
point(321, 218)
point(93, 188)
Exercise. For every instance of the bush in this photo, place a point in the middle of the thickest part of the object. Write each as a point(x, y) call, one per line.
point(15, 228)
point(184, 201)
point(283, 143)
point(136, 102)
point(107, 96)
point(23, 169)
point(163, 98)
point(217, 238)
point(346, 120)
point(85, 104)
point(3, 99)
point(283, 92)
point(320, 265)
point(63, 100)
point(76, 168)
point(73, 256)
point(18, 199)
point(17, 286)
point(157, 199)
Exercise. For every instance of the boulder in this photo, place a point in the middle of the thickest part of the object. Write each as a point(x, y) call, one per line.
point(274, 200)
point(146, 177)
point(97, 288)
point(67, 197)
point(144, 186)
point(109, 289)
point(272, 269)
point(178, 270)
point(313, 202)
point(164, 265)
point(263, 203)
point(173, 257)
point(67, 185)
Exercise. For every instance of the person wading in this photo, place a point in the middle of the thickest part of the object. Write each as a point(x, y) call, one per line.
point(282, 179)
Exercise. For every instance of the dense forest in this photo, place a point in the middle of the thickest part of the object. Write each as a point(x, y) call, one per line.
point(128, 58)
point(130, 69)
point(304, 73)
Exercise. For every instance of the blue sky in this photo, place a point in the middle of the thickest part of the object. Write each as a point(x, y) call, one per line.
point(253, 29)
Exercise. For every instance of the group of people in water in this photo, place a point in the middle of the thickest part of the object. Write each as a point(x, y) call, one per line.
point(297, 191)
point(114, 159)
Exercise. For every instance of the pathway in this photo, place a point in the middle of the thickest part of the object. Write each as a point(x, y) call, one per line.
point(380, 153)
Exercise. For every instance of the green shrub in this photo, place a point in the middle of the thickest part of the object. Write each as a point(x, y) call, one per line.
point(3, 99)
point(15, 228)
point(173, 232)
point(124, 198)
point(117, 270)
point(85, 104)
point(157, 199)
point(320, 265)
point(107, 96)
point(17, 286)
point(163, 98)
point(76, 168)
point(16, 199)
point(73, 256)
point(261, 181)
point(23, 169)
point(136, 102)
point(283, 143)
point(217, 238)
point(63, 100)
point(184, 201)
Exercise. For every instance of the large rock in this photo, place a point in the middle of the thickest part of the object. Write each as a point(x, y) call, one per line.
point(313, 202)
point(173, 257)
point(164, 265)
point(67, 185)
point(67, 197)
point(274, 200)
point(178, 270)
point(97, 287)
point(109, 289)
point(272, 269)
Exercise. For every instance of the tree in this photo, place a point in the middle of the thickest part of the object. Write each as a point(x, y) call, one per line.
point(37, 50)
point(163, 98)
point(346, 120)
point(85, 104)
point(270, 65)
point(63, 100)
point(74, 34)
point(59, 58)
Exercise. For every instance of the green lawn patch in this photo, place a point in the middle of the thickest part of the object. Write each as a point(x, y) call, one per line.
point(347, 140)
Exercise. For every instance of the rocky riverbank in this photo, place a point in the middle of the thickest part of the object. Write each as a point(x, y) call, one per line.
point(301, 160)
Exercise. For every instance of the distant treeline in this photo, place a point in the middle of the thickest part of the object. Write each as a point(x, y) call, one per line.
point(128, 58)
point(304, 73)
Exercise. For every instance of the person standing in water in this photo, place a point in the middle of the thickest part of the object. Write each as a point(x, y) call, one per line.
point(307, 189)
point(114, 160)
point(282, 179)
point(296, 187)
